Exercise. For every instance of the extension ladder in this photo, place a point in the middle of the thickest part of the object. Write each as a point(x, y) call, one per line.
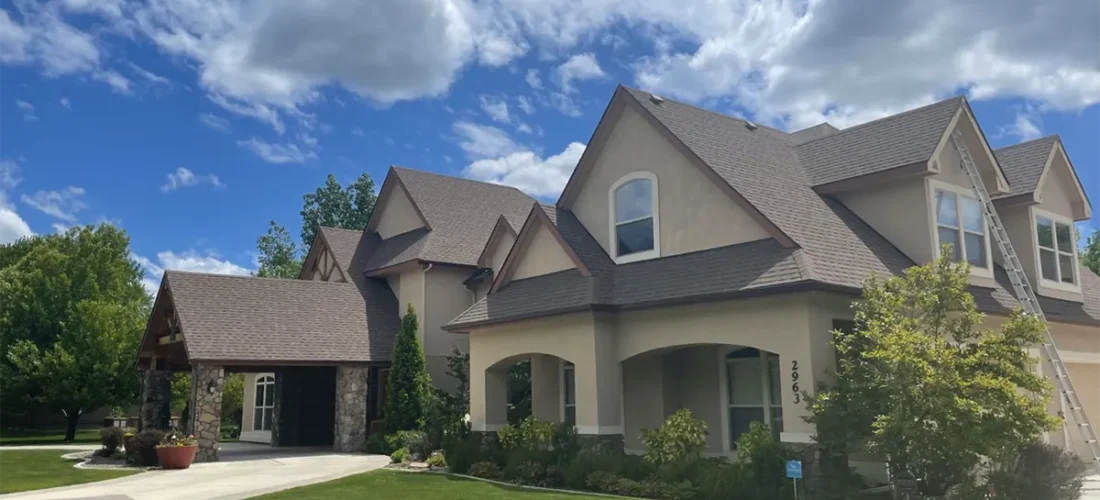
point(1026, 295)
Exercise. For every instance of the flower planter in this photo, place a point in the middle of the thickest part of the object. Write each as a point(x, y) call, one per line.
point(176, 457)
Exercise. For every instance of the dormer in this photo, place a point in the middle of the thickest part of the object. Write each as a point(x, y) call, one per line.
point(395, 212)
point(492, 258)
point(1039, 212)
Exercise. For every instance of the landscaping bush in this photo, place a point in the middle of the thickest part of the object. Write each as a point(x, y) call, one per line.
point(587, 462)
point(681, 438)
point(1038, 470)
point(485, 470)
point(526, 472)
point(407, 396)
point(461, 454)
point(142, 448)
point(529, 434)
point(565, 444)
point(417, 442)
point(111, 437)
point(377, 444)
point(437, 460)
point(400, 456)
point(764, 459)
point(230, 432)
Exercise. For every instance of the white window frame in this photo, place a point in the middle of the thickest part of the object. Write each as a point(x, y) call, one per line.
point(565, 405)
point(934, 185)
point(1055, 219)
point(766, 399)
point(260, 387)
point(613, 239)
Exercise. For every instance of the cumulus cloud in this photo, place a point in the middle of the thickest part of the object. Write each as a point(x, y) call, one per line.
point(188, 260)
point(12, 226)
point(540, 177)
point(27, 109)
point(533, 79)
point(496, 107)
point(183, 177)
point(578, 67)
point(214, 122)
point(484, 141)
point(62, 204)
point(278, 153)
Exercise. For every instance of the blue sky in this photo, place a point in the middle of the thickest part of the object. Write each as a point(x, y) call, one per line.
point(191, 124)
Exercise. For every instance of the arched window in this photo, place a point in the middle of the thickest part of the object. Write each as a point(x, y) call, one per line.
point(265, 403)
point(634, 220)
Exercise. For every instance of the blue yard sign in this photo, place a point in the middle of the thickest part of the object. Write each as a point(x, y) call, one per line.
point(794, 469)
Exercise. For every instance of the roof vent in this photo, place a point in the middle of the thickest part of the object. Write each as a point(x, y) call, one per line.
point(656, 98)
point(750, 125)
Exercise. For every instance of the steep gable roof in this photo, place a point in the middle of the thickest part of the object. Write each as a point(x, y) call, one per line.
point(342, 243)
point(813, 133)
point(1023, 163)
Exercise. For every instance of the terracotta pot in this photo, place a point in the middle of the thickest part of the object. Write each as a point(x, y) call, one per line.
point(176, 457)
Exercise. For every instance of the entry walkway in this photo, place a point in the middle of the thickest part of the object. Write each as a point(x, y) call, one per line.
point(245, 470)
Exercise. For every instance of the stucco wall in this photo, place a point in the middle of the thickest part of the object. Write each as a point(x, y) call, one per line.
point(398, 215)
point(1058, 188)
point(1086, 379)
point(899, 212)
point(693, 380)
point(445, 297)
point(645, 397)
point(544, 255)
point(694, 213)
point(499, 251)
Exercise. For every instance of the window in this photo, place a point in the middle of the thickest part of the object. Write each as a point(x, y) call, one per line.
point(569, 393)
point(265, 403)
point(1057, 249)
point(754, 391)
point(960, 223)
point(634, 234)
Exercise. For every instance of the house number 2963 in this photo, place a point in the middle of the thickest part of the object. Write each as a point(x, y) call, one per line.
point(794, 382)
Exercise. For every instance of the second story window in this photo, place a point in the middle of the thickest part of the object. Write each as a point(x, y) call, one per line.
point(634, 218)
point(1057, 255)
point(959, 222)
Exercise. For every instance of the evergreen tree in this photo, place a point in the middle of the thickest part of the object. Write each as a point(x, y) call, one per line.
point(408, 394)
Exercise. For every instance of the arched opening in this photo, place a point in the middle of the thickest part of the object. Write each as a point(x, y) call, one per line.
point(535, 384)
point(727, 386)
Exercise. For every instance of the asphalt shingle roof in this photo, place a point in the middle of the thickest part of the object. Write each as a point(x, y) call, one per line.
point(244, 318)
point(1023, 164)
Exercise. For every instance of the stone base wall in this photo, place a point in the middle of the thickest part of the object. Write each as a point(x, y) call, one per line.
point(156, 400)
point(350, 431)
point(207, 382)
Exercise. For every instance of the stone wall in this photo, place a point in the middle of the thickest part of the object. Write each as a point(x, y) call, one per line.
point(350, 431)
point(156, 400)
point(207, 382)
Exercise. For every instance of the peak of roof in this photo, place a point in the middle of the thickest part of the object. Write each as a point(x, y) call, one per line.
point(1030, 142)
point(1023, 163)
point(642, 95)
point(408, 172)
point(951, 103)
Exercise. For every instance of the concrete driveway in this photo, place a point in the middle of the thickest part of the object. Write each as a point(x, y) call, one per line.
point(245, 470)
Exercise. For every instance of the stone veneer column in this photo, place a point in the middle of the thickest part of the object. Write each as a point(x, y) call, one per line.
point(350, 433)
point(207, 382)
point(156, 400)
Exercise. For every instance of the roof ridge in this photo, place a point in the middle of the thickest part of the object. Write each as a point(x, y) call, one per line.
point(1054, 137)
point(705, 110)
point(342, 229)
point(888, 117)
point(453, 177)
point(250, 277)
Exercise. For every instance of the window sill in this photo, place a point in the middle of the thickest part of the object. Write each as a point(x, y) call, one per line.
point(635, 257)
point(1058, 285)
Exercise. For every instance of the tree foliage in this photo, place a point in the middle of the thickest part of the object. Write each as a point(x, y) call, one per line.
point(920, 382)
point(72, 312)
point(1090, 255)
point(278, 254)
point(409, 391)
point(333, 205)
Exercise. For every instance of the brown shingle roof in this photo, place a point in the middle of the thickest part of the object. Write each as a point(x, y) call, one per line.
point(253, 319)
point(342, 243)
point(1023, 164)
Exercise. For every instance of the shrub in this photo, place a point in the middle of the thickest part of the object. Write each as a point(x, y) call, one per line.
point(376, 445)
point(111, 437)
point(765, 460)
point(437, 460)
point(528, 472)
point(407, 397)
point(485, 470)
point(577, 471)
point(565, 444)
point(417, 442)
point(400, 456)
point(1037, 470)
point(530, 434)
point(461, 454)
point(603, 481)
point(230, 432)
point(142, 448)
point(681, 438)
point(720, 480)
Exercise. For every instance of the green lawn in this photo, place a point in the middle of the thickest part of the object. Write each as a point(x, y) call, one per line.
point(88, 435)
point(421, 486)
point(37, 469)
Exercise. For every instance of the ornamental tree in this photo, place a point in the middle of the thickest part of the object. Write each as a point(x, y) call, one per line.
point(409, 391)
point(924, 385)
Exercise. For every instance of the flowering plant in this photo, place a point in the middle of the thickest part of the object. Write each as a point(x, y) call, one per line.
point(175, 438)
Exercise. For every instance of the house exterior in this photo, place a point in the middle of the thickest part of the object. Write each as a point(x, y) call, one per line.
point(694, 260)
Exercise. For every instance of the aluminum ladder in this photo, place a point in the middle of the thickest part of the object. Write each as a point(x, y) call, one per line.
point(1026, 295)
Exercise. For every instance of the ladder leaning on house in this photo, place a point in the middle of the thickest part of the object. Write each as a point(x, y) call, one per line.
point(1026, 295)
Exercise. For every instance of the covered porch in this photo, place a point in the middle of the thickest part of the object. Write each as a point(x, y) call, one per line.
point(311, 337)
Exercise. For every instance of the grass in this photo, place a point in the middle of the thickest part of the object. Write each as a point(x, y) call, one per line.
point(25, 470)
point(421, 486)
point(88, 435)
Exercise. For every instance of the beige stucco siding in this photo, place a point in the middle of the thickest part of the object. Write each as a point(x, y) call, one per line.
point(1086, 379)
point(694, 214)
point(645, 397)
point(694, 376)
point(445, 297)
point(408, 287)
point(544, 255)
point(1018, 224)
point(496, 255)
point(398, 215)
point(1058, 189)
point(899, 212)
point(248, 409)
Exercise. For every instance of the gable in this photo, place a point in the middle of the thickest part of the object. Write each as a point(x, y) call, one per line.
point(947, 164)
point(396, 214)
point(543, 255)
point(320, 264)
point(694, 213)
point(1059, 191)
point(498, 251)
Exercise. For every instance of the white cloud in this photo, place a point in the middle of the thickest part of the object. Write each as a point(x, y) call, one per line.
point(118, 83)
point(27, 109)
point(496, 107)
point(150, 76)
point(358, 132)
point(278, 153)
point(578, 67)
point(63, 204)
point(183, 177)
point(257, 111)
point(60, 227)
point(540, 177)
point(525, 104)
point(525, 128)
point(12, 226)
point(484, 141)
point(215, 122)
point(533, 79)
point(188, 260)
point(388, 141)
point(65, 102)
point(1027, 125)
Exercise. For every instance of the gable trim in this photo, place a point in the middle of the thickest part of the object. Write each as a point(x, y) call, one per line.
point(393, 181)
point(1084, 204)
point(537, 218)
point(964, 110)
point(501, 228)
point(619, 101)
point(311, 261)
